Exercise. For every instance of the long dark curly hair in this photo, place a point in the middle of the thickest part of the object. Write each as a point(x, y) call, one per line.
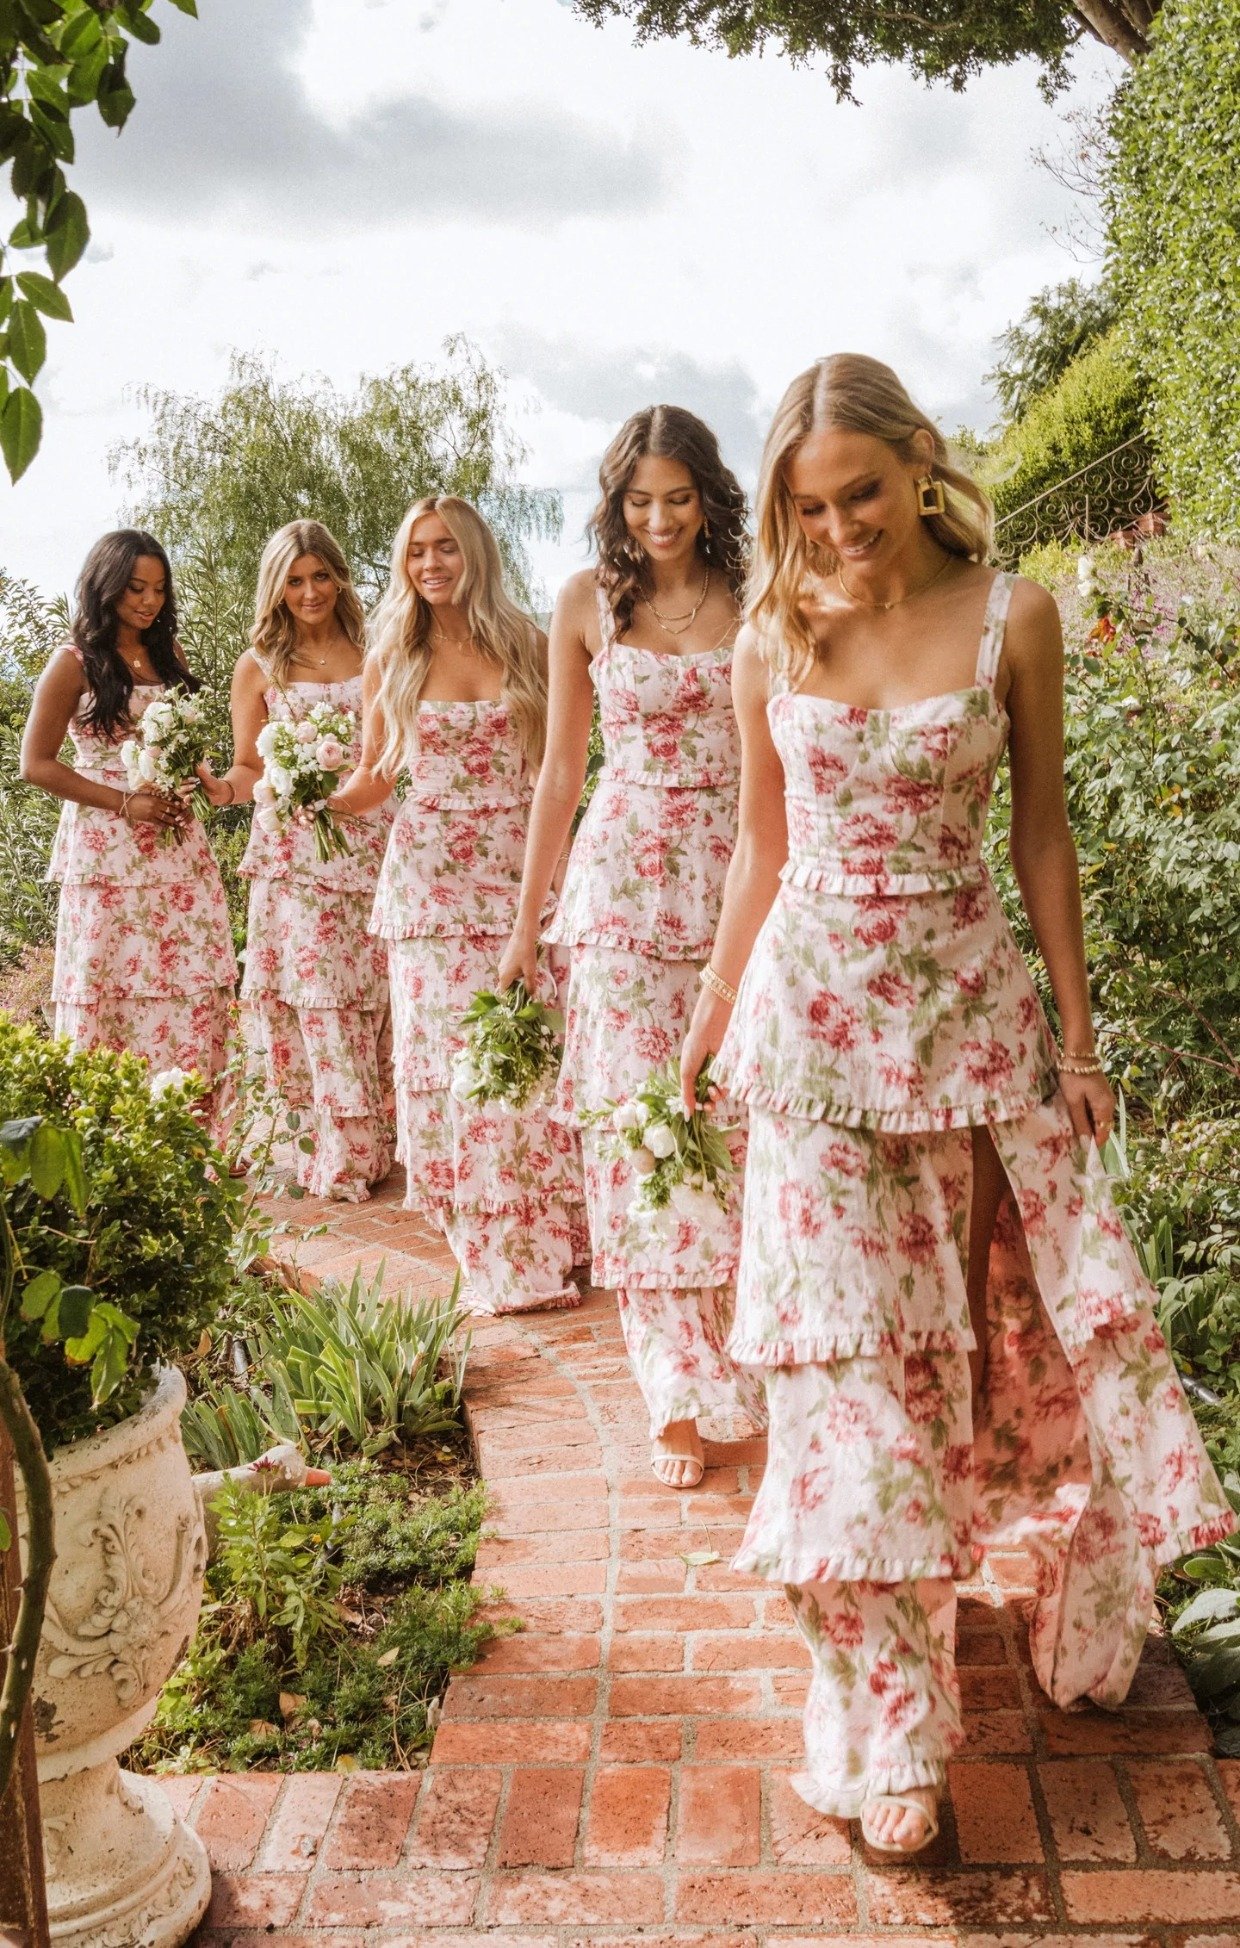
point(104, 578)
point(665, 433)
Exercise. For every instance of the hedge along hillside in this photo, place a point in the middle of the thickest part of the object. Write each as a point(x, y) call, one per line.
point(1174, 213)
point(1093, 408)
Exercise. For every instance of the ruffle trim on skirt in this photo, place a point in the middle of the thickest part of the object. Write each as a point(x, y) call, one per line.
point(847, 1802)
point(647, 945)
point(801, 1566)
point(611, 1273)
point(808, 1350)
point(908, 1120)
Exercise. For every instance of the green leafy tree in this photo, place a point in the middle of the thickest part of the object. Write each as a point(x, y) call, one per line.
point(56, 56)
point(213, 478)
point(1174, 205)
point(941, 40)
point(1035, 352)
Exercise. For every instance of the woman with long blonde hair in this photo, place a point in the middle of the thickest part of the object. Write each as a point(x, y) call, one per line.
point(314, 990)
point(455, 695)
point(649, 631)
point(956, 1340)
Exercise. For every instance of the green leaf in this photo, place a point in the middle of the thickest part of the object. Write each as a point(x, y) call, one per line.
point(75, 1173)
point(6, 1533)
point(189, 7)
point(21, 428)
point(140, 25)
point(45, 295)
point(68, 233)
point(27, 340)
point(25, 235)
point(39, 1294)
point(76, 1303)
point(47, 1160)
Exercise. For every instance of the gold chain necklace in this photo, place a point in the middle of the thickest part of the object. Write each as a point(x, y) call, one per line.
point(453, 642)
point(860, 603)
point(687, 617)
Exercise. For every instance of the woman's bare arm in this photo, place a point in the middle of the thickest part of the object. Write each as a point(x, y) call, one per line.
point(369, 785)
point(570, 710)
point(57, 695)
point(753, 875)
point(1042, 846)
point(249, 714)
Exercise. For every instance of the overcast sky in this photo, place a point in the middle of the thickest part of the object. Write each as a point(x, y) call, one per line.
point(341, 183)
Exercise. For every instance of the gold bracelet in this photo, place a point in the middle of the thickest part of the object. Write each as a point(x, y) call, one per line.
point(717, 985)
point(123, 808)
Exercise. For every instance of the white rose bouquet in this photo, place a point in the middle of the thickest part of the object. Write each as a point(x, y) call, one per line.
point(168, 745)
point(302, 766)
point(512, 1050)
point(683, 1162)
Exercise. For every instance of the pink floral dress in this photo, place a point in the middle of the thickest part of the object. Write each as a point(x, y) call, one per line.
point(505, 1187)
point(315, 988)
point(144, 956)
point(886, 1012)
point(638, 911)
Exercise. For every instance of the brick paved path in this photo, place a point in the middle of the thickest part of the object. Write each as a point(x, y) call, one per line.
point(617, 1772)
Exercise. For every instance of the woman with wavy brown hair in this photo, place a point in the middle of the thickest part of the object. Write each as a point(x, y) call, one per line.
point(649, 630)
point(315, 991)
point(144, 958)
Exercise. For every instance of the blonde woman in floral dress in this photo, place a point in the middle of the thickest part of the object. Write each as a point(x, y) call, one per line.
point(455, 693)
point(315, 988)
point(650, 633)
point(956, 1339)
point(144, 957)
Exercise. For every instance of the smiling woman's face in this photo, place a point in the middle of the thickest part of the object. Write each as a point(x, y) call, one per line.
point(854, 494)
point(310, 589)
point(144, 594)
point(663, 508)
point(434, 560)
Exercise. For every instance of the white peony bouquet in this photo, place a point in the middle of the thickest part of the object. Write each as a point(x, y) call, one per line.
point(169, 743)
point(512, 1049)
point(302, 765)
point(683, 1162)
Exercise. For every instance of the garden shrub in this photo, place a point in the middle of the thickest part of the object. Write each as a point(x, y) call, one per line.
point(1093, 408)
point(157, 1230)
point(1174, 234)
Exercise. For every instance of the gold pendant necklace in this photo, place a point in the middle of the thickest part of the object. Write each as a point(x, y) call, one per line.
point(686, 618)
point(860, 603)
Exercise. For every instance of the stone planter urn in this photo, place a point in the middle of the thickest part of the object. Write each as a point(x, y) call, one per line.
point(122, 1871)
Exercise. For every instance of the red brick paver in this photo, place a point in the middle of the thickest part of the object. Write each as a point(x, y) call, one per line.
point(618, 1771)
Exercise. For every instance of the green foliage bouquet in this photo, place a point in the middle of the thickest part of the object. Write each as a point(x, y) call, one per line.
point(151, 1241)
point(512, 1049)
point(683, 1162)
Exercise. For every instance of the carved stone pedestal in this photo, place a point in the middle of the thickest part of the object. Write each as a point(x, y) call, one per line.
point(122, 1871)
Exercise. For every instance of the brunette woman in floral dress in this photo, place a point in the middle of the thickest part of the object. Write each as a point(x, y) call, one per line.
point(957, 1342)
point(455, 692)
point(650, 631)
point(144, 957)
point(315, 989)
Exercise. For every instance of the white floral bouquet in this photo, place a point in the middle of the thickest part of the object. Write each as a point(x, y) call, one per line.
point(303, 763)
point(683, 1162)
point(168, 745)
point(513, 1045)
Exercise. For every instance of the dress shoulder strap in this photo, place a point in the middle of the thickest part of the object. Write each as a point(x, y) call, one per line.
point(606, 618)
point(994, 624)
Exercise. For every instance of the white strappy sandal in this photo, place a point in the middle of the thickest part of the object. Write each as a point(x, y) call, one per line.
point(907, 1803)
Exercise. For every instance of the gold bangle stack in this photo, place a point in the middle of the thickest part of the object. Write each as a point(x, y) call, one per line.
point(1087, 1064)
point(717, 985)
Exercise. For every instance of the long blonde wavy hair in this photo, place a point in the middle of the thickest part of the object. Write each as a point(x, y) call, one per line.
point(274, 635)
point(400, 634)
point(852, 394)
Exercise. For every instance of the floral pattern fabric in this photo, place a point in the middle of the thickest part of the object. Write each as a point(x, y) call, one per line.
point(505, 1187)
point(884, 1015)
point(638, 912)
point(144, 957)
point(315, 988)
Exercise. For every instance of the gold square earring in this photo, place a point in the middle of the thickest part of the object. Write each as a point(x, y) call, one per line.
point(931, 499)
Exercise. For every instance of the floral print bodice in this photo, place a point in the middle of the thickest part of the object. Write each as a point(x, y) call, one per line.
point(94, 844)
point(649, 860)
point(885, 989)
point(290, 854)
point(454, 859)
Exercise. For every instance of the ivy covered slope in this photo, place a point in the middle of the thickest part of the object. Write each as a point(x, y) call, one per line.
point(154, 1241)
point(1174, 213)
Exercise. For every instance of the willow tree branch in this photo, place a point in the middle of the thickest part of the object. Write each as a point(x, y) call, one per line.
point(40, 1556)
